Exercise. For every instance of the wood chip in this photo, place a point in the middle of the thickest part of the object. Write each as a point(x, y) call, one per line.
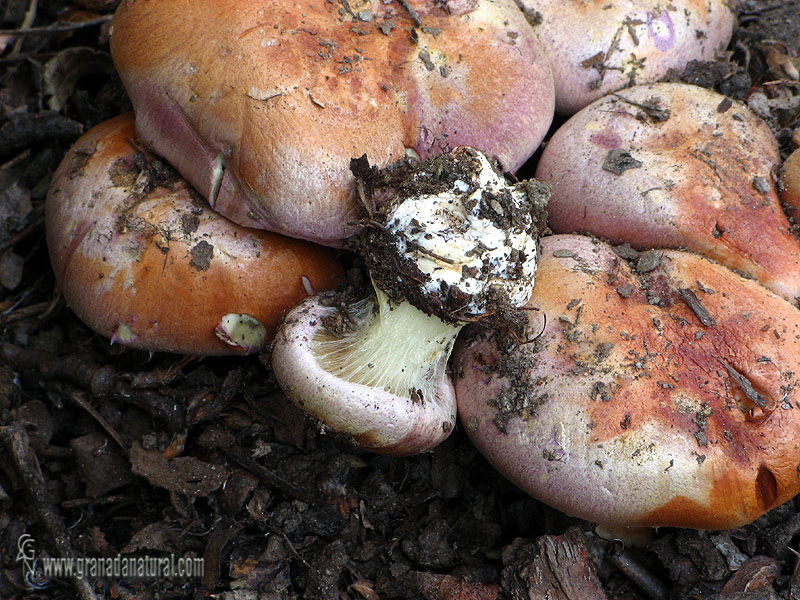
point(746, 386)
point(697, 307)
point(618, 161)
point(648, 261)
point(563, 253)
point(555, 567)
point(724, 105)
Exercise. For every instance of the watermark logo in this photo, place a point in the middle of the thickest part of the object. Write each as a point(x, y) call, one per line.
point(26, 554)
point(38, 572)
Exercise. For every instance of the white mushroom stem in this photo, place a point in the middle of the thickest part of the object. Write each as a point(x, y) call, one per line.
point(398, 349)
point(382, 382)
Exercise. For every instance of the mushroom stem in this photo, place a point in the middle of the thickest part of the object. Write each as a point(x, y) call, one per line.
point(336, 362)
point(394, 347)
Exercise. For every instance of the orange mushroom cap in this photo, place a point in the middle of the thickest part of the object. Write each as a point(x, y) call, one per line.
point(261, 106)
point(669, 397)
point(141, 259)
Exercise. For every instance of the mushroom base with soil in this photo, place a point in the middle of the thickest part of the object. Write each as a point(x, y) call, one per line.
point(456, 243)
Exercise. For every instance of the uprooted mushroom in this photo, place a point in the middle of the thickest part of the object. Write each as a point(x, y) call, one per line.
point(455, 243)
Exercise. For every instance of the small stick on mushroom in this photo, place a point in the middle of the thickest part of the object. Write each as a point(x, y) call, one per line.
point(457, 243)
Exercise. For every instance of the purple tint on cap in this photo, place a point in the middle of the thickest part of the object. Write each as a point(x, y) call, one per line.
point(606, 139)
point(661, 30)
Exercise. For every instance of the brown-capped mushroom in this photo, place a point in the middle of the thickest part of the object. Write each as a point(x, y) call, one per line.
point(675, 165)
point(664, 397)
point(142, 260)
point(262, 107)
point(598, 46)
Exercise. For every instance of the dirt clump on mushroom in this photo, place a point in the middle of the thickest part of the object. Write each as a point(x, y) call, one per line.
point(378, 244)
point(449, 242)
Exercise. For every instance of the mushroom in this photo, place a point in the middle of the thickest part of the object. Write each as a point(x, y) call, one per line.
point(263, 111)
point(663, 396)
point(674, 165)
point(456, 244)
point(598, 46)
point(141, 260)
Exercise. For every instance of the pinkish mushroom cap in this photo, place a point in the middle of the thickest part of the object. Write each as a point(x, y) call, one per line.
point(675, 165)
point(598, 46)
point(261, 108)
point(142, 260)
point(659, 398)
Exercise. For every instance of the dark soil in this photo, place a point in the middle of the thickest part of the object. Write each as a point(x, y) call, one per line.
point(108, 451)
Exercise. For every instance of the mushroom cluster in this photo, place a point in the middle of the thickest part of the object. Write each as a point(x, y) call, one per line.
point(636, 384)
point(142, 261)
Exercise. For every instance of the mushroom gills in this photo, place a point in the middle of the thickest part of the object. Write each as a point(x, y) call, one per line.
point(374, 349)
